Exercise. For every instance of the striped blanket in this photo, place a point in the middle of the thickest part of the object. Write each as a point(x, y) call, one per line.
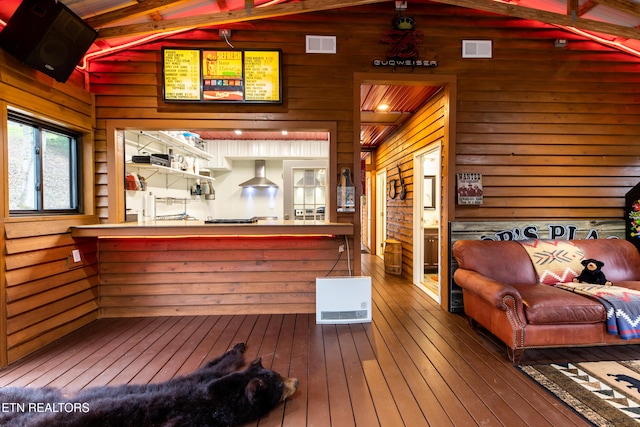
point(555, 261)
point(622, 305)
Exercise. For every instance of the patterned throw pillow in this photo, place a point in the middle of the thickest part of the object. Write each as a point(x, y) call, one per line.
point(555, 261)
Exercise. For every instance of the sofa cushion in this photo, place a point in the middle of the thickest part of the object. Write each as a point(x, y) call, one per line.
point(620, 257)
point(545, 305)
point(503, 261)
point(631, 284)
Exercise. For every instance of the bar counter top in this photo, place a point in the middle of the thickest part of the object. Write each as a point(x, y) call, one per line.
point(194, 228)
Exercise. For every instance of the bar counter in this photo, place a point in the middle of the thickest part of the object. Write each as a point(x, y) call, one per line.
point(188, 267)
point(192, 228)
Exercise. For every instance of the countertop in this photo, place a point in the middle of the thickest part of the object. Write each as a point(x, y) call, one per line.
point(192, 228)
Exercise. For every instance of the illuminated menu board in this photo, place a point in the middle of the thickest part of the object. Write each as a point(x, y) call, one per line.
point(262, 77)
point(207, 75)
point(181, 74)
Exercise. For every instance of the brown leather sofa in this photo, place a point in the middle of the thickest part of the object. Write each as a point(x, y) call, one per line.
point(501, 292)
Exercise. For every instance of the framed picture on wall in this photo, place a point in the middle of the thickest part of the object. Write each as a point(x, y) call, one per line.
point(429, 188)
point(469, 188)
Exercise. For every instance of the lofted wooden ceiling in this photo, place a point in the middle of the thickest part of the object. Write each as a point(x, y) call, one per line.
point(119, 22)
point(117, 19)
point(402, 101)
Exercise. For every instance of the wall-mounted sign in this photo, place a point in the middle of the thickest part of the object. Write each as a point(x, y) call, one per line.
point(541, 229)
point(216, 75)
point(181, 74)
point(403, 43)
point(469, 188)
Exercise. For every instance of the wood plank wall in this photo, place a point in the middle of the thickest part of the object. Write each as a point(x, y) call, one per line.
point(43, 293)
point(47, 294)
point(127, 86)
point(553, 131)
point(218, 275)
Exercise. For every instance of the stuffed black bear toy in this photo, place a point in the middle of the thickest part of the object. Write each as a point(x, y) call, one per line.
point(592, 273)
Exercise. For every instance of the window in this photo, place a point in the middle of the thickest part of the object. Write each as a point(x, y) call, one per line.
point(43, 168)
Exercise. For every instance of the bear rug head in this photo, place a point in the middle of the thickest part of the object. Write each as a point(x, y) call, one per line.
point(216, 395)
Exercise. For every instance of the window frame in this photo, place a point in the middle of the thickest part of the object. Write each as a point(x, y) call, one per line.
point(75, 174)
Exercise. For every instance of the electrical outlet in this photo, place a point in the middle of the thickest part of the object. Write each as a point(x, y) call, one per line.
point(341, 248)
point(76, 255)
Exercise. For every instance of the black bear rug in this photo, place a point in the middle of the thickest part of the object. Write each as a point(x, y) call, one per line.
point(216, 395)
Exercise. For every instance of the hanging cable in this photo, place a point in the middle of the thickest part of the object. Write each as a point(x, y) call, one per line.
point(348, 256)
point(334, 265)
point(226, 39)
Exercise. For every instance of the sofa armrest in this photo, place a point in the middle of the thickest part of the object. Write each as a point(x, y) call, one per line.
point(500, 295)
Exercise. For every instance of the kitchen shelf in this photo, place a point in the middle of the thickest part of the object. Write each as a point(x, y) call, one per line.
point(144, 139)
point(165, 170)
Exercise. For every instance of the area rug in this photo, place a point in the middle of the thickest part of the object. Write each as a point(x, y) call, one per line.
point(605, 393)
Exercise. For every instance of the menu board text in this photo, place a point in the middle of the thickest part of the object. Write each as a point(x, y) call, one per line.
point(209, 75)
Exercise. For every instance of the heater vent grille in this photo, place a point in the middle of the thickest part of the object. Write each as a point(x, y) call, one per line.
point(344, 315)
point(321, 44)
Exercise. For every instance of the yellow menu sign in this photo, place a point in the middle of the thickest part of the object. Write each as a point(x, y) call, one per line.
point(218, 75)
point(222, 75)
point(222, 64)
point(182, 74)
point(262, 76)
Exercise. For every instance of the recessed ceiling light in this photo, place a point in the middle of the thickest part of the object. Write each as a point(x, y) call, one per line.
point(382, 107)
point(238, 132)
point(284, 132)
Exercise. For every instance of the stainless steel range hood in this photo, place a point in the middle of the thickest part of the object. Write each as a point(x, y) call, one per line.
point(259, 180)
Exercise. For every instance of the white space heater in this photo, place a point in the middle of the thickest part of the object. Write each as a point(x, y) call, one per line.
point(343, 299)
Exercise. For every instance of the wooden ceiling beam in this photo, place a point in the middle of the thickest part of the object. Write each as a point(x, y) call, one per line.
point(573, 7)
point(546, 17)
point(284, 9)
point(145, 8)
point(587, 6)
point(622, 5)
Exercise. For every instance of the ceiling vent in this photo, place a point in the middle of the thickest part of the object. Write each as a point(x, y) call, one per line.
point(476, 49)
point(321, 44)
point(259, 180)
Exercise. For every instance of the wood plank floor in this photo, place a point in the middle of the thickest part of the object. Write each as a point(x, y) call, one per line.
point(414, 365)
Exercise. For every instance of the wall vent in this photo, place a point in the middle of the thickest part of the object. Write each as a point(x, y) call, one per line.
point(476, 49)
point(321, 44)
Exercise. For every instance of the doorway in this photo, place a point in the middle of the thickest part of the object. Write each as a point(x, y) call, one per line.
point(427, 213)
point(429, 125)
point(381, 211)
